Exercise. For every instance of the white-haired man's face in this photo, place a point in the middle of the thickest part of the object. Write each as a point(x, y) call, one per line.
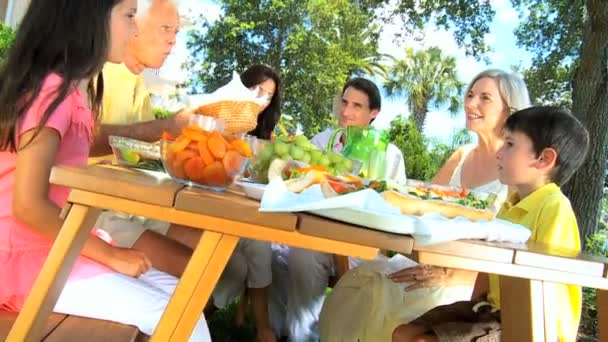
point(157, 31)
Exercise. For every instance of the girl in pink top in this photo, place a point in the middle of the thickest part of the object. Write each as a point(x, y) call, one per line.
point(47, 114)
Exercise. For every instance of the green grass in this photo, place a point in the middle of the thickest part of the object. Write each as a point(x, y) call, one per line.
point(223, 328)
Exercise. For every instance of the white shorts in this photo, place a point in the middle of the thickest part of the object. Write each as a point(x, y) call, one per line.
point(119, 298)
point(248, 266)
point(125, 229)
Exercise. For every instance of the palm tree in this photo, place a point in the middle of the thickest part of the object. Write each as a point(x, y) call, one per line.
point(373, 66)
point(425, 77)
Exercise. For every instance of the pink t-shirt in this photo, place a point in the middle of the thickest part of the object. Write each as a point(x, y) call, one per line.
point(22, 250)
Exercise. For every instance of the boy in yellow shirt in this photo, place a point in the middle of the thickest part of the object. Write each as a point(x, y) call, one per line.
point(543, 147)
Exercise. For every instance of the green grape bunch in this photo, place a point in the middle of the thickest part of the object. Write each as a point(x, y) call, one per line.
point(296, 148)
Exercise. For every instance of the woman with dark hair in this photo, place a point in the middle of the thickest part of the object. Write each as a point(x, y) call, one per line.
point(248, 273)
point(48, 110)
point(266, 81)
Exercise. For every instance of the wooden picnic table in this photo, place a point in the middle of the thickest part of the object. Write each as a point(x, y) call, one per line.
point(528, 272)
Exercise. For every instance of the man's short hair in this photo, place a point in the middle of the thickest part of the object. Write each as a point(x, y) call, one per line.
point(552, 127)
point(369, 88)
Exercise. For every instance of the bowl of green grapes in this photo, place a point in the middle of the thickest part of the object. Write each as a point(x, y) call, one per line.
point(297, 148)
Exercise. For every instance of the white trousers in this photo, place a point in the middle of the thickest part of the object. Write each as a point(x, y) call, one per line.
point(125, 229)
point(248, 266)
point(123, 299)
point(300, 279)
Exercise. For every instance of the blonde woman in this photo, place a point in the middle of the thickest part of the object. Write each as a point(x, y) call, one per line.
point(374, 304)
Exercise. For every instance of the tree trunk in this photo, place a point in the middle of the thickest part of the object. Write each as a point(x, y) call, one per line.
point(590, 104)
point(420, 117)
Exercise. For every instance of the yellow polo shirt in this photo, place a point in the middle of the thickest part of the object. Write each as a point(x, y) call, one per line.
point(126, 99)
point(547, 212)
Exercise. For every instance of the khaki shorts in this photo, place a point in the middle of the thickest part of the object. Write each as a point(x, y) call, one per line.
point(125, 229)
point(463, 321)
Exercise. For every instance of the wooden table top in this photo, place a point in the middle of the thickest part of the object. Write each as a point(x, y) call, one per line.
point(118, 182)
point(142, 187)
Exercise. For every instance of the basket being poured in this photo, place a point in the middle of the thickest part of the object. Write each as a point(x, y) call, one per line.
point(238, 116)
point(233, 103)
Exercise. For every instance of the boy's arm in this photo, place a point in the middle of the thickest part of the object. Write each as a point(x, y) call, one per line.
point(481, 287)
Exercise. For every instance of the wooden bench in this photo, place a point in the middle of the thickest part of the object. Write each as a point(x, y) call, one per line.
point(65, 328)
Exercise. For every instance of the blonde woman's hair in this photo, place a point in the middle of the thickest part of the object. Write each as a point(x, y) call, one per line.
point(511, 87)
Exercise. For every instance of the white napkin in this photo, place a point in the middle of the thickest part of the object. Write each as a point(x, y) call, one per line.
point(278, 198)
point(367, 208)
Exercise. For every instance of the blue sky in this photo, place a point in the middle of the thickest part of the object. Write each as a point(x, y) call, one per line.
point(440, 124)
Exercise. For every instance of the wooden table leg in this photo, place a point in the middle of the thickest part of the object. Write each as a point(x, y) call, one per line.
point(205, 287)
point(550, 310)
point(54, 274)
point(521, 309)
point(602, 311)
point(194, 289)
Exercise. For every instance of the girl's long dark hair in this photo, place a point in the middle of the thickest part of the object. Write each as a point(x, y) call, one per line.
point(268, 118)
point(67, 37)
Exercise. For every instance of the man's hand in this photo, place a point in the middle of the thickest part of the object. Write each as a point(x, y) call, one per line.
point(422, 276)
point(180, 120)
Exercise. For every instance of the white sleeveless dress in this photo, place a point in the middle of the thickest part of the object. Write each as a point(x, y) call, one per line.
point(494, 186)
point(367, 306)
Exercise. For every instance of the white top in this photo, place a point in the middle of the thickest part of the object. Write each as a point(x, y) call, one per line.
point(494, 186)
point(395, 168)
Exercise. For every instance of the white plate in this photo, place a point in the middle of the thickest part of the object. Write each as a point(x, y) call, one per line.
point(252, 190)
point(398, 224)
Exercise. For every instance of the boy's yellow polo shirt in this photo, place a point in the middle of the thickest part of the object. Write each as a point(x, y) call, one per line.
point(126, 99)
point(547, 212)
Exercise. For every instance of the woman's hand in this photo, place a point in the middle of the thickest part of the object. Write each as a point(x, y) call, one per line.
point(129, 262)
point(423, 276)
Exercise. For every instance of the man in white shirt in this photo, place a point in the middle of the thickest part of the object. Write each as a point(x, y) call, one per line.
point(301, 276)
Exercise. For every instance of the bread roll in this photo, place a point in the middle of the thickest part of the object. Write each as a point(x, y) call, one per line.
point(412, 205)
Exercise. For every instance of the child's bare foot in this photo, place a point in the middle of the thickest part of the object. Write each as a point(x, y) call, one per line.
point(265, 335)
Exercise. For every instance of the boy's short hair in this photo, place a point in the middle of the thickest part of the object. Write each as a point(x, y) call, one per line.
point(552, 127)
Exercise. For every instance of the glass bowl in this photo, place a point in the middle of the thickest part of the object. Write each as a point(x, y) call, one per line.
point(212, 163)
point(134, 153)
point(257, 170)
point(207, 123)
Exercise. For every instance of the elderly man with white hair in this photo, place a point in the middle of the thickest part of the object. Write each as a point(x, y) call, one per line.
point(127, 112)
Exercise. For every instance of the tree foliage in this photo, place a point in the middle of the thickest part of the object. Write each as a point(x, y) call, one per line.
point(422, 159)
point(314, 44)
point(469, 19)
point(7, 36)
point(425, 78)
point(569, 40)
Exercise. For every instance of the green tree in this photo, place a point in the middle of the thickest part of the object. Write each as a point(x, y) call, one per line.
point(314, 44)
point(422, 161)
point(569, 39)
point(469, 19)
point(373, 66)
point(7, 36)
point(404, 134)
point(426, 78)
